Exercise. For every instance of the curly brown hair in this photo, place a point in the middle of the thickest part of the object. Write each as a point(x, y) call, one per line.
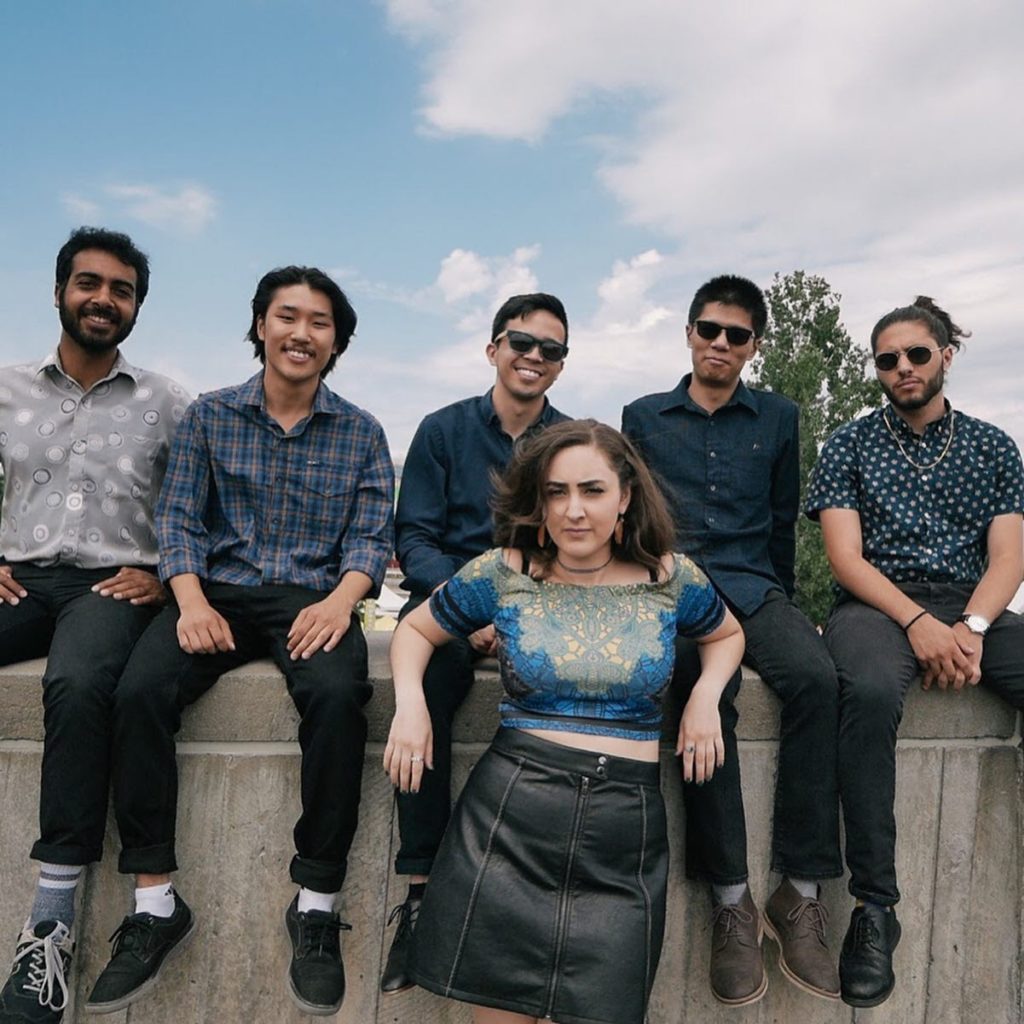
point(519, 500)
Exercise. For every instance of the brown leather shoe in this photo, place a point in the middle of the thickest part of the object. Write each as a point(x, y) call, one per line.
point(797, 924)
point(737, 969)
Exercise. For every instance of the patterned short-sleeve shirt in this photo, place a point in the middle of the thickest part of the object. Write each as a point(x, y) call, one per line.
point(925, 502)
point(593, 660)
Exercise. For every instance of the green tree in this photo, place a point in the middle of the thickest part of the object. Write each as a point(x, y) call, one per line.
point(808, 356)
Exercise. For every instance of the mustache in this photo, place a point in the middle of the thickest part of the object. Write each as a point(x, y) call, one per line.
point(106, 312)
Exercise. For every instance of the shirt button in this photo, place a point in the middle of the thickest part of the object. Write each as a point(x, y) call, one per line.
point(602, 759)
point(713, 455)
point(714, 487)
point(74, 487)
point(275, 521)
point(601, 771)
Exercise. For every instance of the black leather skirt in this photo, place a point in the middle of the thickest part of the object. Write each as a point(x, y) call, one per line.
point(547, 896)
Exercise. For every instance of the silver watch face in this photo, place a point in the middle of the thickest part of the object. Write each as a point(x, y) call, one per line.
point(976, 624)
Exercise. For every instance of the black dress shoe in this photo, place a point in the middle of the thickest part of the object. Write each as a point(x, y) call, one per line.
point(865, 964)
point(396, 971)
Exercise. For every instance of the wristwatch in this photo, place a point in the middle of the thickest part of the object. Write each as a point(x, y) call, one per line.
point(977, 624)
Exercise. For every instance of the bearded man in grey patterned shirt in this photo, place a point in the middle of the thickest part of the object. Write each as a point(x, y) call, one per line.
point(84, 440)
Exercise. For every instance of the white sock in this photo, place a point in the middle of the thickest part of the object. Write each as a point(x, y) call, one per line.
point(728, 894)
point(310, 900)
point(157, 900)
point(809, 890)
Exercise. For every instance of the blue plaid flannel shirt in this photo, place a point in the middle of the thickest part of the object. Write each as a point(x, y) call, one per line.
point(244, 502)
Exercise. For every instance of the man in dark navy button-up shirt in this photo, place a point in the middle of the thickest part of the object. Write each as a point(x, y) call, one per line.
point(920, 508)
point(728, 457)
point(444, 520)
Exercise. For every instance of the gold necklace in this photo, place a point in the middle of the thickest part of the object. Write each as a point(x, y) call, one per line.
point(903, 451)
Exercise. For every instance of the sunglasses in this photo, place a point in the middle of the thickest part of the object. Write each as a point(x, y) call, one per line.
point(917, 354)
point(709, 330)
point(519, 341)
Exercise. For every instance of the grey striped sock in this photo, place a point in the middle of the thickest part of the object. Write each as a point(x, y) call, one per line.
point(55, 894)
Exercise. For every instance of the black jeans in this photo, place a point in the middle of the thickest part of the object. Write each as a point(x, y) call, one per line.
point(423, 816)
point(792, 660)
point(329, 690)
point(876, 665)
point(88, 639)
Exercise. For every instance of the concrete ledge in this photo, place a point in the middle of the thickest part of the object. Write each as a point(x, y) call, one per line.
point(958, 807)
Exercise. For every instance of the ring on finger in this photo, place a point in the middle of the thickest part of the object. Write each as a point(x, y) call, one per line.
point(690, 748)
point(415, 758)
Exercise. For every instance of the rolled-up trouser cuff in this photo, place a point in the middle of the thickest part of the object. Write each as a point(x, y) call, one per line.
point(148, 860)
point(318, 875)
point(74, 856)
point(413, 865)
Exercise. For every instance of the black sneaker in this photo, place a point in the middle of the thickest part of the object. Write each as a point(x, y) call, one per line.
point(142, 945)
point(865, 964)
point(316, 977)
point(37, 990)
point(395, 977)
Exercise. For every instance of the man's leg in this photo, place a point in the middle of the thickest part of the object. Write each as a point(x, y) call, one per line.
point(158, 681)
point(875, 665)
point(791, 658)
point(90, 638)
point(423, 816)
point(329, 691)
point(716, 850)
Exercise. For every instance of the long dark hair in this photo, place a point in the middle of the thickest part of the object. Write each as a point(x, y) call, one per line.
point(519, 498)
point(924, 310)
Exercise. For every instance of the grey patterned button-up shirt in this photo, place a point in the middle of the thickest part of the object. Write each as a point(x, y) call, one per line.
point(82, 469)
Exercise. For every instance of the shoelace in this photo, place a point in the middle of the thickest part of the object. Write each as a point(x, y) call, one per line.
point(730, 917)
point(866, 933)
point(320, 932)
point(406, 914)
point(133, 934)
point(45, 975)
point(816, 914)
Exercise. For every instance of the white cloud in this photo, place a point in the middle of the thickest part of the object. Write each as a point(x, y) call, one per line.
point(188, 209)
point(84, 210)
point(462, 274)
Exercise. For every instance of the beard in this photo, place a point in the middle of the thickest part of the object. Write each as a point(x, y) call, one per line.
point(931, 388)
point(72, 324)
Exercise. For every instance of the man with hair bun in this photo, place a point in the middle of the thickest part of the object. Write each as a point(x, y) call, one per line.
point(920, 508)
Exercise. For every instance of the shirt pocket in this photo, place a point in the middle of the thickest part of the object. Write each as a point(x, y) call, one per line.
point(325, 499)
point(750, 472)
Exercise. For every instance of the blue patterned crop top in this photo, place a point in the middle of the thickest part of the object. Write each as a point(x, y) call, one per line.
point(593, 660)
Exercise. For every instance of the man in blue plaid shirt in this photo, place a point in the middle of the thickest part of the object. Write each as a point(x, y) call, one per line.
point(274, 521)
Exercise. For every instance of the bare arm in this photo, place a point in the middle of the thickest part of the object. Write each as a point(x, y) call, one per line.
point(410, 745)
point(936, 647)
point(700, 731)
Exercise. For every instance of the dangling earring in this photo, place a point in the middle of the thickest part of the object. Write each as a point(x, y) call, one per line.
point(542, 536)
point(619, 530)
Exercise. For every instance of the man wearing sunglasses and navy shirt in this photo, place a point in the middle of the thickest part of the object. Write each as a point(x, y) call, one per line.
point(728, 459)
point(920, 508)
point(444, 520)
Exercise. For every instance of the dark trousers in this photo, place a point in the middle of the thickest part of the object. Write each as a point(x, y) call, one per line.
point(329, 691)
point(88, 639)
point(423, 816)
point(792, 659)
point(876, 665)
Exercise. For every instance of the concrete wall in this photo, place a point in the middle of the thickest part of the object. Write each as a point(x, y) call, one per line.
point(959, 859)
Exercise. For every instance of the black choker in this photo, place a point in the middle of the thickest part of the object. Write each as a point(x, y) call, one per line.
point(597, 568)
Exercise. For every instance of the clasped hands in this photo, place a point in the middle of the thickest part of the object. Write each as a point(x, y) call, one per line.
point(948, 655)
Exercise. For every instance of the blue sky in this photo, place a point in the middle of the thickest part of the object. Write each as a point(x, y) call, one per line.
point(439, 155)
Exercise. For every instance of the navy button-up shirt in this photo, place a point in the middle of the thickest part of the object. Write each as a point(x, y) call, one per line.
point(732, 480)
point(920, 524)
point(244, 502)
point(444, 513)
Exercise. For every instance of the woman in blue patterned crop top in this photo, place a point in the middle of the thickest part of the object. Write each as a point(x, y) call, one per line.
point(547, 897)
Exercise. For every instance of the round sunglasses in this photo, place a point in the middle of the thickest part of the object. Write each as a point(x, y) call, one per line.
point(519, 341)
point(917, 354)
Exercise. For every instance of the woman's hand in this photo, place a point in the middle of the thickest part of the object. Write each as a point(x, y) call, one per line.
point(410, 747)
point(700, 737)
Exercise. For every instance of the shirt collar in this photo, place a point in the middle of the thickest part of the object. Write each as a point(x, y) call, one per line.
point(679, 397)
point(251, 395)
point(903, 429)
point(121, 365)
point(490, 416)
